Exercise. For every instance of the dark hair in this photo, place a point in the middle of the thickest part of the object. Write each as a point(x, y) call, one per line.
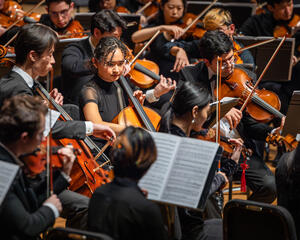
point(107, 21)
point(215, 43)
point(48, 2)
point(105, 46)
point(133, 153)
point(21, 113)
point(160, 17)
point(34, 37)
point(272, 2)
point(187, 96)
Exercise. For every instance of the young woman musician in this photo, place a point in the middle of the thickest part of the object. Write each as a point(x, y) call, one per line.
point(120, 208)
point(98, 100)
point(170, 14)
point(188, 112)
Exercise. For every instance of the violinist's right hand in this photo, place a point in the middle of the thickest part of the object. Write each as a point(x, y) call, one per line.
point(233, 117)
point(54, 200)
point(103, 132)
point(173, 30)
point(68, 158)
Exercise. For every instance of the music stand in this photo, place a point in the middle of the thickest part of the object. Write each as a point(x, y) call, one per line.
point(133, 22)
point(281, 68)
point(240, 12)
point(292, 123)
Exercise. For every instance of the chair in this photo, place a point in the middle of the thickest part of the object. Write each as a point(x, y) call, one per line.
point(71, 233)
point(247, 220)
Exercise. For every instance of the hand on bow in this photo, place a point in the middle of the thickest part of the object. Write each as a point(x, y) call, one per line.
point(233, 117)
point(164, 86)
point(103, 132)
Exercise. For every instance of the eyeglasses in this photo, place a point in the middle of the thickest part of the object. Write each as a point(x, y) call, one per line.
point(62, 13)
point(229, 61)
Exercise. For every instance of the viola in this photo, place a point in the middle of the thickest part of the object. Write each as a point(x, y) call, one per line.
point(86, 173)
point(264, 105)
point(11, 12)
point(138, 115)
point(289, 29)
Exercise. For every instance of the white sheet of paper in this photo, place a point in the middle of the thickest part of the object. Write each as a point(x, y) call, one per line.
point(8, 172)
point(179, 174)
point(51, 117)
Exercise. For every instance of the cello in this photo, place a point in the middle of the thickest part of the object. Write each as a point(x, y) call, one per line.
point(86, 174)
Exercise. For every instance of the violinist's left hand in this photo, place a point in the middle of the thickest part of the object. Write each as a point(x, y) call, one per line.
point(279, 129)
point(140, 96)
point(238, 143)
point(57, 96)
point(103, 132)
point(164, 86)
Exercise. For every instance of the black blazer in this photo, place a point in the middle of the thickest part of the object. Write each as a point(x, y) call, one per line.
point(121, 210)
point(248, 128)
point(75, 70)
point(21, 216)
point(13, 84)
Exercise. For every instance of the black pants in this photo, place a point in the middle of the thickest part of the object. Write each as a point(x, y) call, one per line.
point(260, 180)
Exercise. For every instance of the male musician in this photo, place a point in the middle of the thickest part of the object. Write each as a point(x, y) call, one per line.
point(75, 58)
point(280, 13)
point(59, 17)
point(259, 178)
point(215, 19)
point(25, 213)
point(34, 57)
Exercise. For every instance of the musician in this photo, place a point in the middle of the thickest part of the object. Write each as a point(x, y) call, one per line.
point(75, 69)
point(170, 14)
point(99, 98)
point(120, 208)
point(187, 113)
point(259, 178)
point(59, 18)
point(287, 182)
point(25, 214)
point(34, 57)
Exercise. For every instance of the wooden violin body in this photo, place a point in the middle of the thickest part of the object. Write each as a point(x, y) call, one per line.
point(289, 29)
point(74, 30)
point(264, 104)
point(290, 143)
point(11, 12)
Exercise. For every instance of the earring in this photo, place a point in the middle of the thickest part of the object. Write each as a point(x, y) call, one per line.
point(193, 121)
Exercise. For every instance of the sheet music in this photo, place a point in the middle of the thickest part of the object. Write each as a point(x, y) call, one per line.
point(180, 172)
point(8, 172)
point(54, 116)
point(157, 175)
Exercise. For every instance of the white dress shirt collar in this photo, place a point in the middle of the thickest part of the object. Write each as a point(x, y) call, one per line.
point(27, 78)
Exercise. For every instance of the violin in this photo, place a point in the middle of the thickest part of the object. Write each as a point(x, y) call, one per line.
point(289, 141)
point(74, 30)
point(264, 105)
point(289, 29)
point(11, 12)
point(228, 147)
point(86, 174)
point(236, 48)
point(35, 161)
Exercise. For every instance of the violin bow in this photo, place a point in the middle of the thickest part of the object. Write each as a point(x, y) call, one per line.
point(143, 8)
point(143, 49)
point(255, 45)
point(263, 73)
point(218, 107)
point(196, 19)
